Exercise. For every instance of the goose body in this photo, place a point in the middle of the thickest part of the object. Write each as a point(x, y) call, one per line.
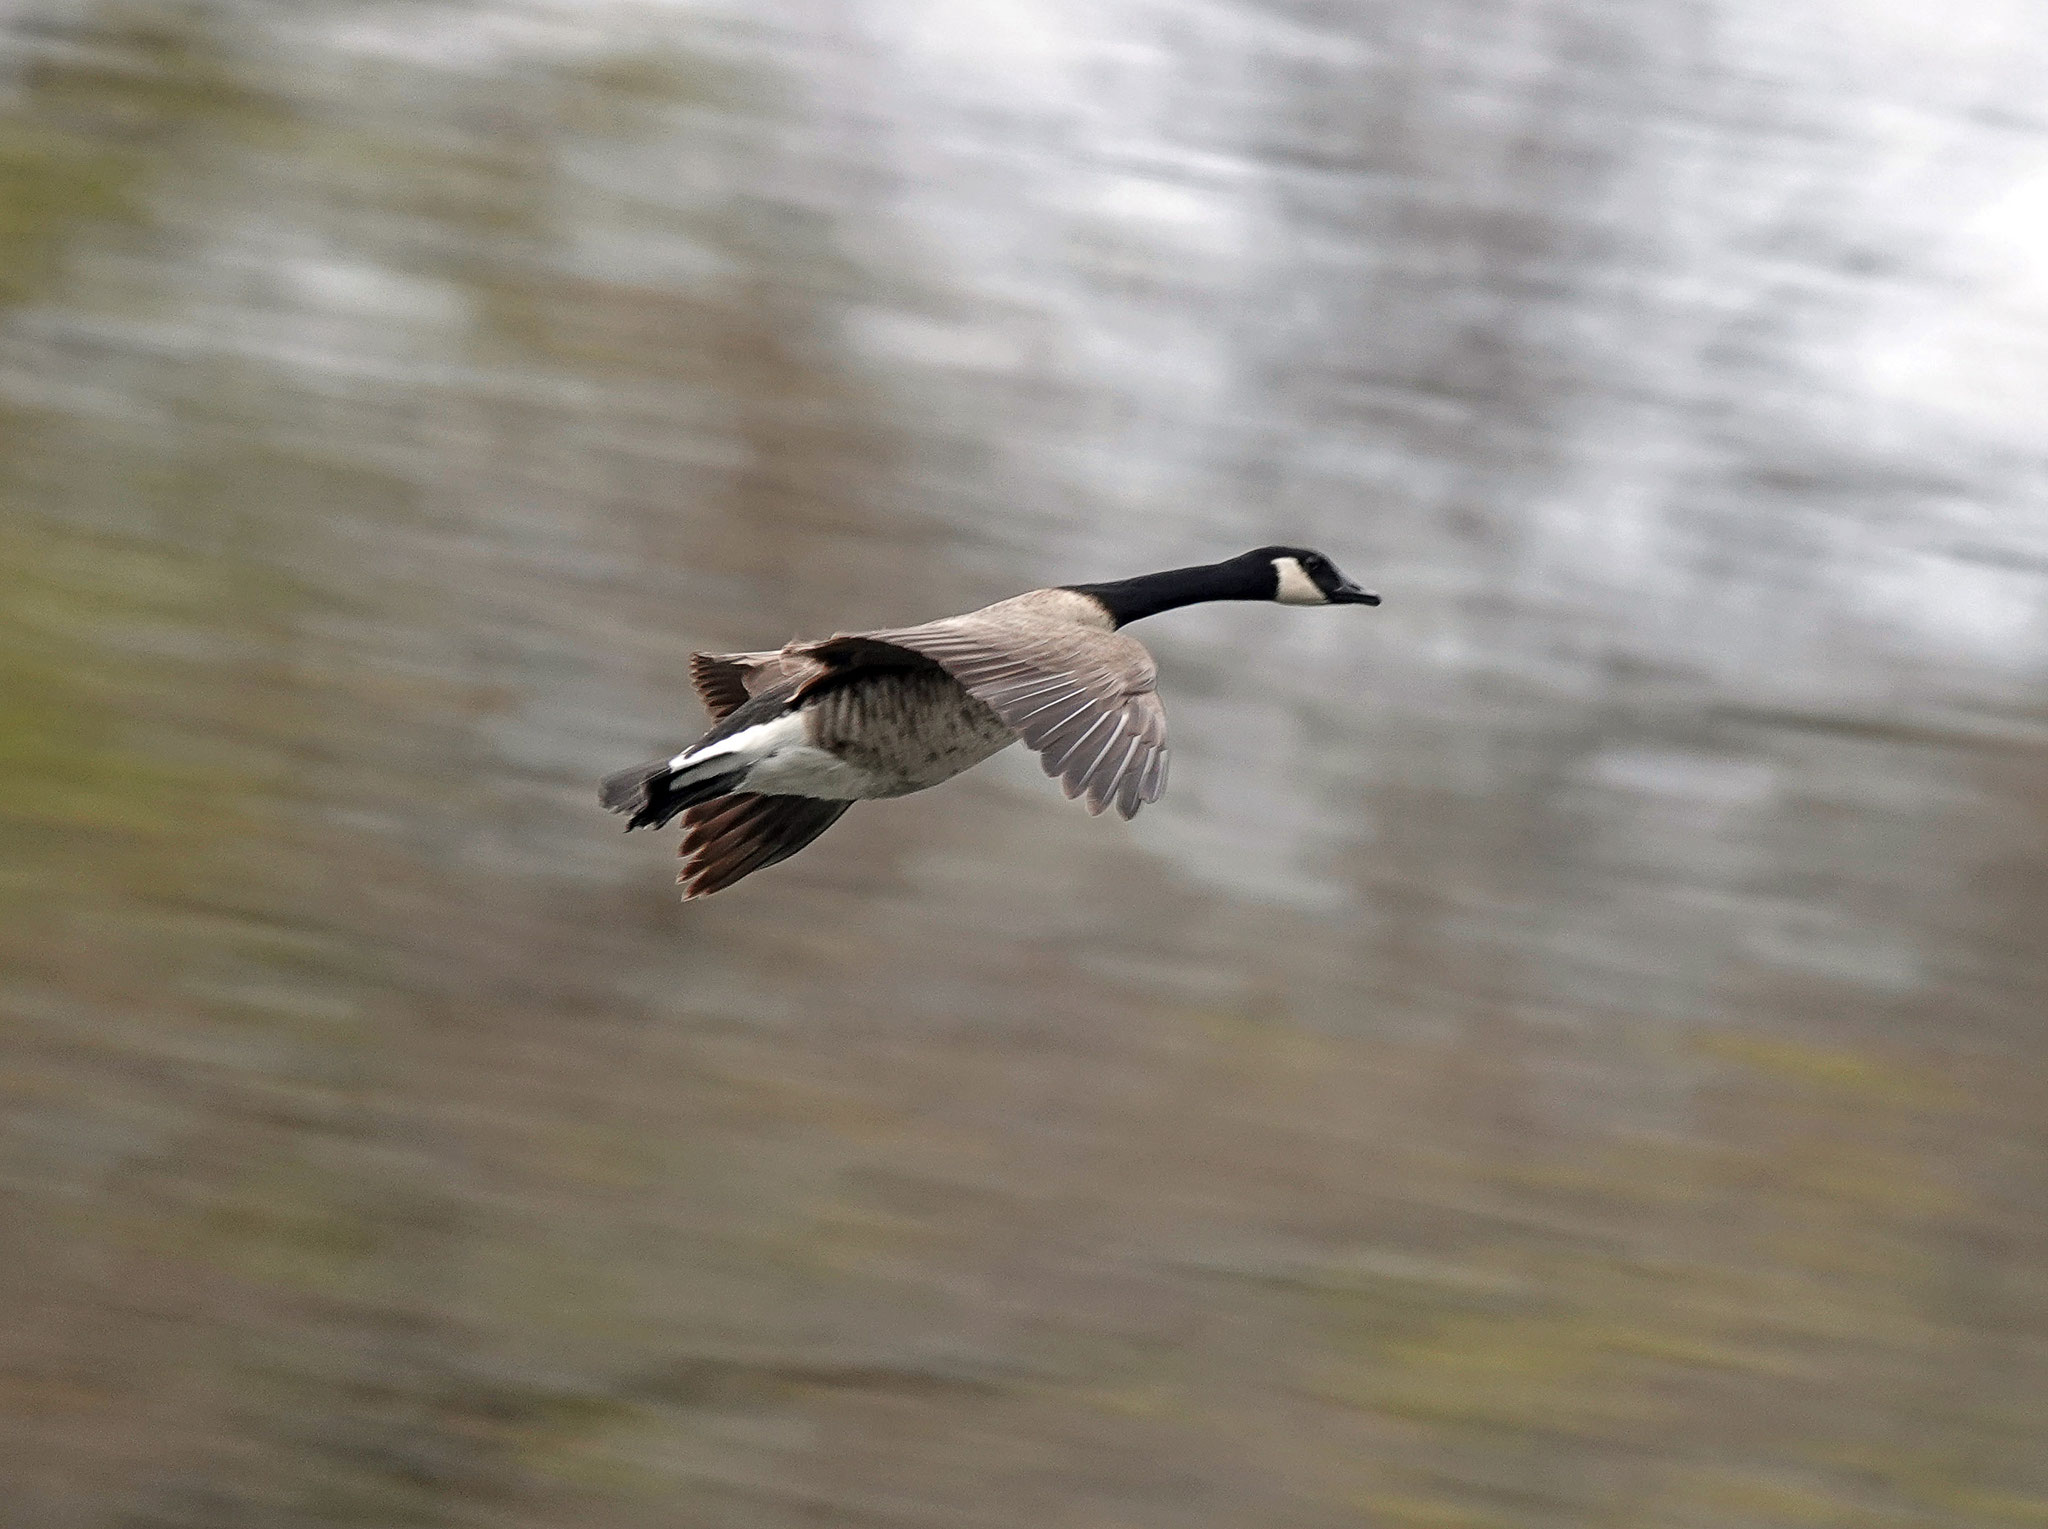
point(801, 733)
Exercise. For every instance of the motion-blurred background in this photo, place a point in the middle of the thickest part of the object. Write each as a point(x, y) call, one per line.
point(1568, 1051)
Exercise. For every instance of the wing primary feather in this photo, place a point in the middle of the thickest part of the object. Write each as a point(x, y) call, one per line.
point(1072, 782)
point(1134, 750)
point(720, 683)
point(1065, 694)
point(1056, 743)
point(1155, 777)
point(1037, 735)
point(1069, 762)
point(1011, 692)
point(992, 670)
point(1060, 742)
point(737, 835)
point(1130, 790)
point(1101, 781)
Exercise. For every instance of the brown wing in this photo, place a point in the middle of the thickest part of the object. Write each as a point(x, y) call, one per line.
point(734, 836)
point(721, 682)
point(1083, 699)
point(726, 681)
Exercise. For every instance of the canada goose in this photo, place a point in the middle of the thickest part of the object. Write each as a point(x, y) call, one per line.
point(801, 734)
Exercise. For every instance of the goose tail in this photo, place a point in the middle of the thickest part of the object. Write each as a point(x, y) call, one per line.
point(648, 795)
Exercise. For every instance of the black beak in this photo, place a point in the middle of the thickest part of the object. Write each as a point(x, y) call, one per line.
point(1349, 593)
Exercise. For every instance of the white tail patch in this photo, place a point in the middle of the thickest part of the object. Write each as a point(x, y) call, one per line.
point(1296, 587)
point(780, 760)
point(748, 746)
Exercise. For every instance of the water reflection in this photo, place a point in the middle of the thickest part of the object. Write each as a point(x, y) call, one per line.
point(1566, 1048)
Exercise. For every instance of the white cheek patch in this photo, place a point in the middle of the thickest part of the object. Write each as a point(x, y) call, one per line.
point(1296, 587)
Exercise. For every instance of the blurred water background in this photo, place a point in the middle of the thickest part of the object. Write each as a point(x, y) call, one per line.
point(1568, 1051)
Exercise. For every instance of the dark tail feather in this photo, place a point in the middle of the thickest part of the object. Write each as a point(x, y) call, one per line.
point(649, 796)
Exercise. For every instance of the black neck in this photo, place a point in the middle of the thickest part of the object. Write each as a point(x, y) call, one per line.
point(1129, 600)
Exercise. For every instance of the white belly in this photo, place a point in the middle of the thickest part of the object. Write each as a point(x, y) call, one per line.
point(807, 771)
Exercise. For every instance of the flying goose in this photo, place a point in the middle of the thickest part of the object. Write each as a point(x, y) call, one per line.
point(801, 734)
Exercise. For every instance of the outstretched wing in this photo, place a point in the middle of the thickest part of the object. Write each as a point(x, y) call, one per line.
point(734, 836)
point(1082, 700)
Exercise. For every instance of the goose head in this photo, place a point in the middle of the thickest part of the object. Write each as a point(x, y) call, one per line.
point(1304, 576)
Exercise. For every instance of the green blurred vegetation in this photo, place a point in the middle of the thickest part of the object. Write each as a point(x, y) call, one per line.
point(383, 1151)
